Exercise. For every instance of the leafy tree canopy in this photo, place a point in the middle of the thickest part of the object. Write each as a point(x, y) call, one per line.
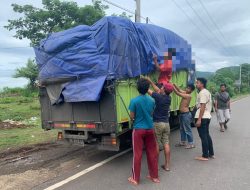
point(36, 23)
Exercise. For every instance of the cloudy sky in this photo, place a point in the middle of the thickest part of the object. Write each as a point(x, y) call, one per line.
point(224, 44)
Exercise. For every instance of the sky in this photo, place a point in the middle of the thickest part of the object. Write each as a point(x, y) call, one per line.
point(225, 43)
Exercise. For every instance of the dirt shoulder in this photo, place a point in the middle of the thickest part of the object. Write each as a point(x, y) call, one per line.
point(27, 167)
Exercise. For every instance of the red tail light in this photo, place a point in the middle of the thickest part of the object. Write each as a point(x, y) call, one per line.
point(87, 126)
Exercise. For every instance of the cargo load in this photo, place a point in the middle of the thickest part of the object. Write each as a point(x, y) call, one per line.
point(114, 48)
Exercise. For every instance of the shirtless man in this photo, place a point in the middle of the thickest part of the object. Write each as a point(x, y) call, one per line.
point(185, 116)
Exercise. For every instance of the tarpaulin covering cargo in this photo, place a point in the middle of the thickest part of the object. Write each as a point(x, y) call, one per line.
point(113, 48)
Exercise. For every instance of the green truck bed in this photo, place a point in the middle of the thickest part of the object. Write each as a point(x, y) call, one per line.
point(107, 121)
point(126, 90)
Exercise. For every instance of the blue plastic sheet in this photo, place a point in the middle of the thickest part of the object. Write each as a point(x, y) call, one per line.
point(113, 48)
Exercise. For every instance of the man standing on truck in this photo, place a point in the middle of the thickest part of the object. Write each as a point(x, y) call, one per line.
point(185, 116)
point(202, 119)
point(222, 107)
point(161, 94)
point(141, 111)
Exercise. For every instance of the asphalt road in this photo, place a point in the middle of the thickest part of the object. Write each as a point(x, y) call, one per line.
point(229, 171)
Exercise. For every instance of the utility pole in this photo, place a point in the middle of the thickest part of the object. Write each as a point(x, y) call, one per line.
point(248, 78)
point(138, 11)
point(240, 79)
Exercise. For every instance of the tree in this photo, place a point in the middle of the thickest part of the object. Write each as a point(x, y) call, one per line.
point(36, 23)
point(30, 71)
point(229, 75)
point(123, 14)
point(245, 74)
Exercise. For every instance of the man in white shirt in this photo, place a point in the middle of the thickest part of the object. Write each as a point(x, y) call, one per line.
point(202, 119)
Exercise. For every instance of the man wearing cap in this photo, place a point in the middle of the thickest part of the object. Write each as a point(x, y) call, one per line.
point(161, 94)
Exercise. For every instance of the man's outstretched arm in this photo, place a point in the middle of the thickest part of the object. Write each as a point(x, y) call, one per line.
point(183, 95)
point(156, 89)
point(156, 62)
point(179, 89)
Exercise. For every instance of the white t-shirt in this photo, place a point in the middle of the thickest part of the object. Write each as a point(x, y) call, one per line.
point(204, 97)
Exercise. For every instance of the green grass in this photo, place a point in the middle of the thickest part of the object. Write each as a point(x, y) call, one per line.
point(21, 105)
point(19, 108)
point(17, 138)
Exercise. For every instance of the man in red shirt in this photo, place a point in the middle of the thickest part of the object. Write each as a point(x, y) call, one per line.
point(165, 68)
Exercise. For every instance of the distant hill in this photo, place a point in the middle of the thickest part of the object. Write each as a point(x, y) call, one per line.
point(232, 72)
point(204, 74)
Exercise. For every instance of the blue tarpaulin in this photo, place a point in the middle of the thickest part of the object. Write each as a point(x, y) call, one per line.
point(112, 48)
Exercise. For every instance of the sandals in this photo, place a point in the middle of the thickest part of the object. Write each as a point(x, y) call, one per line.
point(190, 146)
point(154, 180)
point(164, 168)
point(180, 144)
point(225, 125)
point(132, 181)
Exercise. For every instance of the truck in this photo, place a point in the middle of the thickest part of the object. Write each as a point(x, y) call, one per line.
point(102, 117)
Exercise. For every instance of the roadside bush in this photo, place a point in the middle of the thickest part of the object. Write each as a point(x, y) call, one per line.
point(17, 118)
point(26, 92)
point(24, 100)
point(35, 107)
point(6, 100)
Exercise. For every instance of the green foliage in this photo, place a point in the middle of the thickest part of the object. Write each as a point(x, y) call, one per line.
point(30, 71)
point(123, 14)
point(19, 104)
point(19, 137)
point(36, 23)
point(229, 75)
point(16, 92)
point(245, 74)
point(19, 108)
point(25, 109)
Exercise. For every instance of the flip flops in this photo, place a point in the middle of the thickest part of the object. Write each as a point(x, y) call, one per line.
point(132, 181)
point(154, 180)
point(164, 168)
point(180, 144)
point(225, 125)
point(212, 157)
point(190, 146)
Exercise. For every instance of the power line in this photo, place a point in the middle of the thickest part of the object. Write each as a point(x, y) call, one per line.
point(208, 28)
point(120, 7)
point(214, 23)
point(191, 20)
point(127, 10)
point(201, 31)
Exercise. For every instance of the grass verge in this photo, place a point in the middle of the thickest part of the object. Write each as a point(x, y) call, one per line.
point(22, 105)
point(20, 137)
